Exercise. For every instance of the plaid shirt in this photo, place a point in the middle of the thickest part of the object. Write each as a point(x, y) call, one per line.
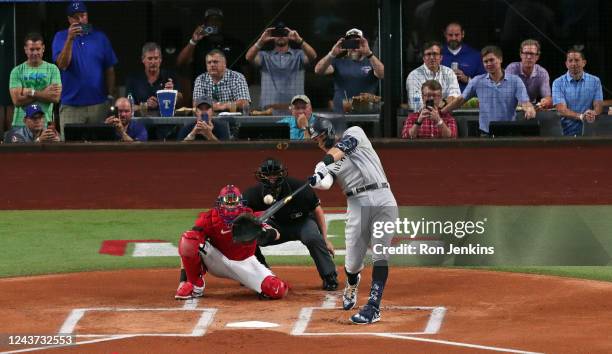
point(232, 87)
point(429, 129)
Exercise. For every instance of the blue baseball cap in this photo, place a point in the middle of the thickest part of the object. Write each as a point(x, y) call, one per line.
point(75, 7)
point(32, 110)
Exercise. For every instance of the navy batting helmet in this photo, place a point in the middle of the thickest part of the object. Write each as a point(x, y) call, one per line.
point(323, 126)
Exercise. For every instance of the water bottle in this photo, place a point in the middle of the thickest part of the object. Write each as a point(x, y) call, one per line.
point(131, 99)
point(416, 101)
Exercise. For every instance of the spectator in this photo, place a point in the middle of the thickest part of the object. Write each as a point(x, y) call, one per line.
point(534, 76)
point(33, 130)
point(126, 128)
point(203, 127)
point(228, 88)
point(431, 70)
point(498, 93)
point(354, 70)
point(300, 119)
point(430, 122)
point(460, 57)
point(282, 68)
point(144, 85)
point(34, 81)
point(86, 60)
point(207, 37)
point(577, 95)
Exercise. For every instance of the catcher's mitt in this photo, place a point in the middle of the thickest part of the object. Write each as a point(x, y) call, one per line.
point(246, 228)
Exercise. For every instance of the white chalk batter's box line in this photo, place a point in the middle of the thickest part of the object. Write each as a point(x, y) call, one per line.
point(432, 327)
point(198, 330)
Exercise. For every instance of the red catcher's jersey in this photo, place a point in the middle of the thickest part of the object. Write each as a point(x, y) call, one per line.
point(220, 235)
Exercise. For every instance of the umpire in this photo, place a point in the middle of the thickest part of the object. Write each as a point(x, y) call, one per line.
point(301, 219)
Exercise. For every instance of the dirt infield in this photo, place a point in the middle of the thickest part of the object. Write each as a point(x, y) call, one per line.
point(474, 311)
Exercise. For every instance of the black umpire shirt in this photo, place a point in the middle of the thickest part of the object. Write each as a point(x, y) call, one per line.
point(301, 206)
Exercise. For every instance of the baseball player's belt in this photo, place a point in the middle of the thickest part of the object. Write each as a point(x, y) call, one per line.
point(368, 187)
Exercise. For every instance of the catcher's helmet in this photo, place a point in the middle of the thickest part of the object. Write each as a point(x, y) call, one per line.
point(271, 173)
point(323, 126)
point(230, 203)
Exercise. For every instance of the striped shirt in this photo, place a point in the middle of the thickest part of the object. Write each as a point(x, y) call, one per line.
point(230, 88)
point(577, 96)
point(445, 76)
point(498, 100)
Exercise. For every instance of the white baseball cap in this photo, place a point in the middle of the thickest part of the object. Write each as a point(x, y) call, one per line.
point(354, 32)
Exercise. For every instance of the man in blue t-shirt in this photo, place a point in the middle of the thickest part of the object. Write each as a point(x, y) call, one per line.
point(300, 119)
point(355, 70)
point(86, 61)
point(126, 128)
point(463, 59)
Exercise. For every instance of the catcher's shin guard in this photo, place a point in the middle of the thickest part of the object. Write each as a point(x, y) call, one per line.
point(188, 250)
point(274, 288)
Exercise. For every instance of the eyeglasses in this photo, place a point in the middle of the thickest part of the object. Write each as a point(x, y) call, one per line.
point(215, 92)
point(530, 54)
point(431, 54)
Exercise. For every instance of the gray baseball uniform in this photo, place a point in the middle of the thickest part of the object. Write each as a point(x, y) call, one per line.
point(363, 180)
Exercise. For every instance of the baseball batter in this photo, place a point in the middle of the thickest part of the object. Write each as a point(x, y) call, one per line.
point(353, 163)
point(221, 255)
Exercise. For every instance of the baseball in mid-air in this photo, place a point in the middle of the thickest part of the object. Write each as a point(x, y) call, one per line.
point(268, 199)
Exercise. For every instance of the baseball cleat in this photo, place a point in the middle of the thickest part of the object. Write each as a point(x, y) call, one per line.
point(330, 282)
point(368, 314)
point(349, 298)
point(188, 291)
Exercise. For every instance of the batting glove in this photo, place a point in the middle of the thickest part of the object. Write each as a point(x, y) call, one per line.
point(321, 169)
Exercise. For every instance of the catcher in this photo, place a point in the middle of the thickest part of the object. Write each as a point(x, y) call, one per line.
point(210, 247)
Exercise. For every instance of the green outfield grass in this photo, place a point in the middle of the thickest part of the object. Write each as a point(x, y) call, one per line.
point(46, 242)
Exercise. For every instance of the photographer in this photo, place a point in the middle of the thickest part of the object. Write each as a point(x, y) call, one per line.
point(209, 36)
point(86, 61)
point(126, 129)
point(282, 67)
point(354, 67)
point(430, 123)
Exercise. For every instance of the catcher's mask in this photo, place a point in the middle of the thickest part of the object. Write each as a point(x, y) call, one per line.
point(323, 127)
point(230, 203)
point(271, 174)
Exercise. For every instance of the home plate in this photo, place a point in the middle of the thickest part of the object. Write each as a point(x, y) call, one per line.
point(252, 324)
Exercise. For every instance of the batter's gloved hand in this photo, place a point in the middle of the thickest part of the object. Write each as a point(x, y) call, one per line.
point(314, 180)
point(321, 169)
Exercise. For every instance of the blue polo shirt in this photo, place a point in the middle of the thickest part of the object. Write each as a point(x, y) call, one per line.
point(469, 61)
point(137, 131)
point(498, 101)
point(84, 82)
point(577, 96)
point(352, 77)
point(296, 133)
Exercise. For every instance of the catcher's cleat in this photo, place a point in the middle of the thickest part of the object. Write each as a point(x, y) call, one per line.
point(368, 314)
point(349, 298)
point(188, 291)
point(330, 282)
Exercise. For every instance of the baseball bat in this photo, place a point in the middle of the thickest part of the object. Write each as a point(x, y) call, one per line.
point(281, 203)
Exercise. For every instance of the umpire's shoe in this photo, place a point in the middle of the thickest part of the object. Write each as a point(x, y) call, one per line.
point(330, 282)
point(368, 314)
point(349, 299)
